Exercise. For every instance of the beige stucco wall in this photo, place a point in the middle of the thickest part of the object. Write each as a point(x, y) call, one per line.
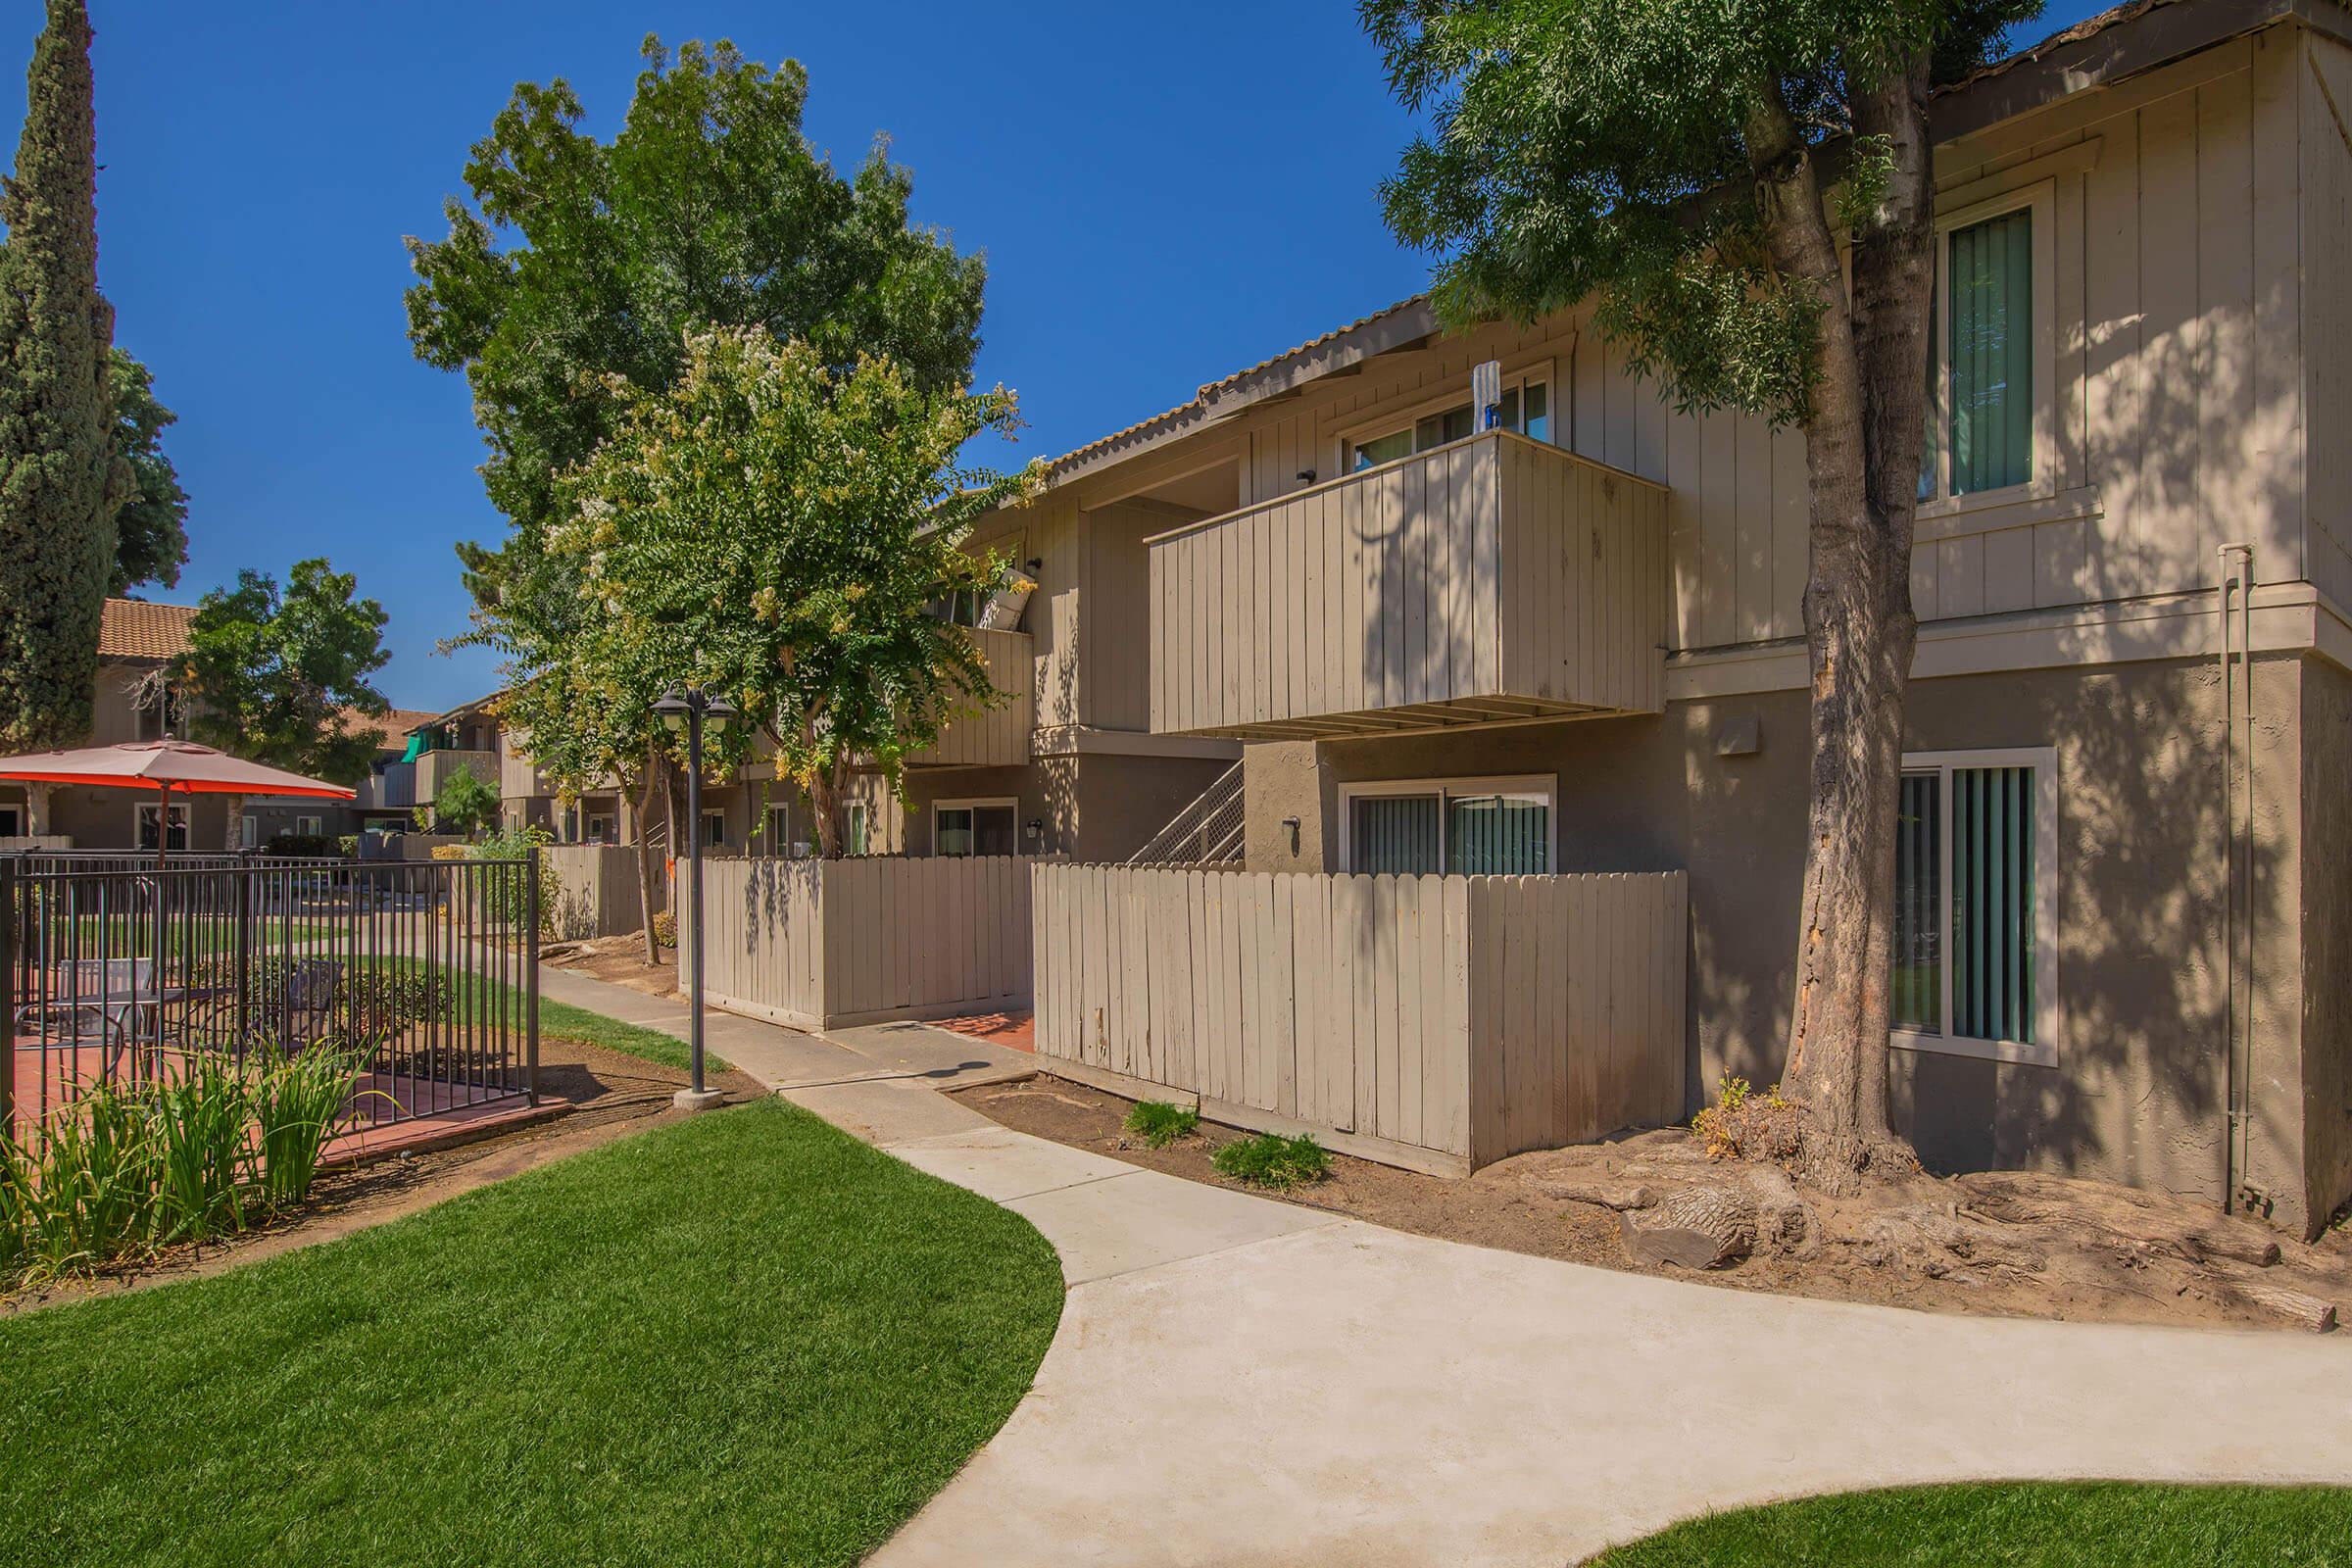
point(2327, 864)
point(2138, 1094)
point(106, 820)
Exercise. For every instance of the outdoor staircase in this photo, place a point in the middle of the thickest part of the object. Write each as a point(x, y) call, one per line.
point(1208, 832)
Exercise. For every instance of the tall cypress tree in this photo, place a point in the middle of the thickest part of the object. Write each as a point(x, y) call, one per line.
point(59, 480)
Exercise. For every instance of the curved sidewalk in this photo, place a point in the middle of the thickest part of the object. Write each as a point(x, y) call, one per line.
point(1238, 1381)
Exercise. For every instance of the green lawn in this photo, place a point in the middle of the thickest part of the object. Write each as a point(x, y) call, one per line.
point(122, 936)
point(577, 1023)
point(745, 1338)
point(2048, 1525)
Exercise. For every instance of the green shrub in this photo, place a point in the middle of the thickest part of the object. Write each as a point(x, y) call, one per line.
point(213, 1150)
point(1160, 1124)
point(304, 846)
point(502, 892)
point(297, 1105)
point(200, 1119)
point(1272, 1160)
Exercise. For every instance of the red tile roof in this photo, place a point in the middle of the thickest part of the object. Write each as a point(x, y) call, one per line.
point(133, 628)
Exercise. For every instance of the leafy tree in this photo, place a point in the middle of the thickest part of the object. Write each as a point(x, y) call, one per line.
point(464, 804)
point(267, 674)
point(151, 533)
point(581, 706)
point(781, 531)
point(1699, 168)
point(581, 259)
point(58, 483)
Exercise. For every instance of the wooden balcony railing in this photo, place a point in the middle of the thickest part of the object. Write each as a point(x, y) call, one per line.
point(1493, 579)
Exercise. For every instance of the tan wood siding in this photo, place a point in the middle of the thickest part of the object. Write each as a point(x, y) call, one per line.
point(1489, 579)
point(1000, 735)
point(821, 944)
point(2322, 98)
point(433, 769)
point(2190, 208)
point(1439, 1022)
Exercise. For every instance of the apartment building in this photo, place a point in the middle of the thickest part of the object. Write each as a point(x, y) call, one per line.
point(1563, 633)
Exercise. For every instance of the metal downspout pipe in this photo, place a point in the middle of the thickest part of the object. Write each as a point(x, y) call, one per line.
point(2236, 590)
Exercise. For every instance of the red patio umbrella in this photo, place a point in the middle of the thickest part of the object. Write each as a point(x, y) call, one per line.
point(164, 766)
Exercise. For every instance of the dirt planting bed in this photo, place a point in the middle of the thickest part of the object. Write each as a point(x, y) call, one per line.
point(618, 960)
point(2001, 1244)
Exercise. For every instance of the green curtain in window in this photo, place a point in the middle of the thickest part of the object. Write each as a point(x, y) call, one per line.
point(1992, 353)
point(1487, 835)
point(1992, 903)
point(1918, 874)
point(1393, 833)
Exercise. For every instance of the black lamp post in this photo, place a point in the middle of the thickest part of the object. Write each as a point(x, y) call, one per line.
point(689, 709)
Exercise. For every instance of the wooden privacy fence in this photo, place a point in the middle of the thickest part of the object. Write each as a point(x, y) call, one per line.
point(819, 944)
point(1439, 1023)
point(592, 891)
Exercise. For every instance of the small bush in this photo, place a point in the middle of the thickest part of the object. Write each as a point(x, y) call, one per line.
point(1160, 1124)
point(302, 846)
point(1272, 1160)
point(666, 929)
point(1743, 1124)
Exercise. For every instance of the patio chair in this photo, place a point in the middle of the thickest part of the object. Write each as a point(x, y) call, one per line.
point(288, 1003)
point(94, 1002)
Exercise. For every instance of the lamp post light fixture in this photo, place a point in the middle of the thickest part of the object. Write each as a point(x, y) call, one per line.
point(689, 709)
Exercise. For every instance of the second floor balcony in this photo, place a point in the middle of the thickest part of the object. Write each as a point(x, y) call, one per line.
point(433, 769)
point(1493, 579)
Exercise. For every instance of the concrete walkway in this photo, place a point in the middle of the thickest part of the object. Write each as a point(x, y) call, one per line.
point(1238, 1381)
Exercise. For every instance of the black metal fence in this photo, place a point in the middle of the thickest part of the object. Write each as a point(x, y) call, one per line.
point(117, 971)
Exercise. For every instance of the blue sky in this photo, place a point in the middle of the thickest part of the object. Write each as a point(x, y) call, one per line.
point(1164, 194)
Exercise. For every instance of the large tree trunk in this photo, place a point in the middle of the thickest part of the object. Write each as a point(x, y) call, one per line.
point(827, 793)
point(1862, 444)
point(641, 806)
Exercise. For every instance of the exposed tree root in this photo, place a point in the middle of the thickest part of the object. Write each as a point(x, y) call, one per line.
point(2017, 1239)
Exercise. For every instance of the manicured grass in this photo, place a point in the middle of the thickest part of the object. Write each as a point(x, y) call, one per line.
point(578, 1023)
point(122, 936)
point(744, 1338)
point(2009, 1525)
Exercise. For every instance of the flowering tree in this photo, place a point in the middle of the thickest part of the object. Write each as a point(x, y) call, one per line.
point(782, 529)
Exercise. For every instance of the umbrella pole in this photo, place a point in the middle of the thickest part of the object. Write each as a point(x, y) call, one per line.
point(163, 826)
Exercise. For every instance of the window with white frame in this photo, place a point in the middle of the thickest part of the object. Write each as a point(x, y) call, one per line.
point(249, 831)
point(11, 822)
point(1976, 905)
point(148, 816)
point(974, 827)
point(780, 828)
point(858, 823)
point(309, 826)
point(1461, 827)
point(714, 829)
point(1990, 353)
point(1526, 408)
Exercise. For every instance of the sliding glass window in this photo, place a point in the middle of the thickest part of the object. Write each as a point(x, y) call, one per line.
point(1468, 829)
point(1973, 846)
